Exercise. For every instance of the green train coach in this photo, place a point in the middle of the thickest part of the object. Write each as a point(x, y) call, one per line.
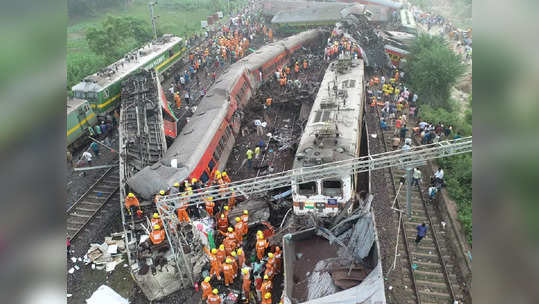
point(80, 117)
point(102, 89)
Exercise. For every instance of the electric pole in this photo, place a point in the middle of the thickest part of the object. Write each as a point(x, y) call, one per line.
point(151, 4)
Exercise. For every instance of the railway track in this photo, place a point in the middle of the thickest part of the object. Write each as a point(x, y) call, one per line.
point(81, 213)
point(430, 275)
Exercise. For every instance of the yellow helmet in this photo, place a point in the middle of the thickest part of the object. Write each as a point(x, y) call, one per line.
point(222, 216)
point(218, 175)
point(156, 227)
point(210, 198)
point(240, 251)
point(222, 247)
point(193, 180)
point(217, 172)
point(207, 279)
point(226, 208)
point(238, 219)
point(214, 251)
point(245, 270)
point(245, 212)
point(215, 291)
point(228, 260)
point(131, 195)
point(176, 184)
point(233, 253)
point(230, 229)
point(224, 174)
point(189, 189)
point(259, 232)
point(155, 215)
point(162, 192)
point(267, 295)
point(266, 277)
point(270, 255)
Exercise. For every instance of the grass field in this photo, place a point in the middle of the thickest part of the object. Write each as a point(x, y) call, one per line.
point(178, 17)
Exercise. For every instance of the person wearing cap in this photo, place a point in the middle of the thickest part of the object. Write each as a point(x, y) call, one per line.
point(206, 288)
point(175, 189)
point(241, 256)
point(131, 203)
point(239, 229)
point(214, 297)
point(230, 241)
point(182, 210)
point(261, 245)
point(159, 196)
point(278, 258)
point(270, 268)
point(266, 285)
point(222, 222)
point(209, 205)
point(157, 236)
point(221, 254)
point(215, 264)
point(156, 220)
point(228, 272)
point(245, 219)
point(234, 257)
point(267, 298)
point(226, 209)
point(246, 282)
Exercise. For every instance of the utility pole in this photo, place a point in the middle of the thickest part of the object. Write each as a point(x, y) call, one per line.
point(151, 4)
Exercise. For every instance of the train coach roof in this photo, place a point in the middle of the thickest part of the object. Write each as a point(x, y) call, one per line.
point(122, 67)
point(74, 103)
point(311, 14)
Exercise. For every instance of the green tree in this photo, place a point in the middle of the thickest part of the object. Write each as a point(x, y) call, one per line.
point(434, 69)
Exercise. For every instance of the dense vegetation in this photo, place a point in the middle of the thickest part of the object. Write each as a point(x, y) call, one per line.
point(102, 31)
point(433, 70)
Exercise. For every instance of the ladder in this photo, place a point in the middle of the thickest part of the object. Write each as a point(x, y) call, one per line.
point(414, 157)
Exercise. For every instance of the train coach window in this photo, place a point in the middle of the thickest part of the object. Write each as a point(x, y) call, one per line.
point(332, 188)
point(307, 188)
point(204, 177)
point(211, 164)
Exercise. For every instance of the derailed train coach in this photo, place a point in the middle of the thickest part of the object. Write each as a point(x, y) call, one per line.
point(206, 141)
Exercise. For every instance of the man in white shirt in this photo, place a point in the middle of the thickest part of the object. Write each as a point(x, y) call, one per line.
point(439, 176)
point(88, 156)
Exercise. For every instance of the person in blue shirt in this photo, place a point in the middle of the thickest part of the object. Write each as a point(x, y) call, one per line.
point(383, 124)
point(95, 148)
point(421, 232)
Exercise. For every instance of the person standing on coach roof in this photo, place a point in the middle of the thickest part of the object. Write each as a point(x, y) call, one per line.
point(421, 232)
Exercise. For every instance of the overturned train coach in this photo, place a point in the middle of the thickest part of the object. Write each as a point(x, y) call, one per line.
point(207, 139)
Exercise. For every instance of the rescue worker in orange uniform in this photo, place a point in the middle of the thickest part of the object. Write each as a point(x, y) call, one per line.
point(266, 285)
point(214, 298)
point(214, 262)
point(234, 257)
point(228, 272)
point(131, 203)
point(261, 245)
point(209, 205)
point(287, 70)
point(304, 64)
point(239, 229)
point(222, 222)
point(268, 101)
point(178, 100)
point(397, 76)
point(270, 266)
point(156, 220)
point(267, 298)
point(270, 34)
point(157, 236)
point(282, 82)
point(246, 283)
point(206, 288)
point(241, 257)
point(245, 219)
point(278, 258)
point(221, 254)
point(225, 177)
point(182, 210)
point(296, 67)
point(158, 196)
point(230, 241)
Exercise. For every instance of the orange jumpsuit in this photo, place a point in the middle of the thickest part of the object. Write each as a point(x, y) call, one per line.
point(241, 258)
point(296, 68)
point(156, 221)
point(221, 254)
point(157, 236)
point(228, 271)
point(270, 271)
point(222, 223)
point(178, 100)
point(131, 202)
point(214, 299)
point(397, 76)
point(226, 179)
point(182, 212)
point(215, 264)
point(230, 245)
point(245, 219)
point(206, 289)
point(246, 284)
point(239, 229)
point(234, 264)
point(209, 207)
point(266, 287)
point(232, 201)
point(270, 34)
point(266, 301)
point(304, 65)
point(278, 260)
point(261, 246)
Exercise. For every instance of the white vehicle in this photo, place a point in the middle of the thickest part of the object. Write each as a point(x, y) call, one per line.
point(332, 133)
